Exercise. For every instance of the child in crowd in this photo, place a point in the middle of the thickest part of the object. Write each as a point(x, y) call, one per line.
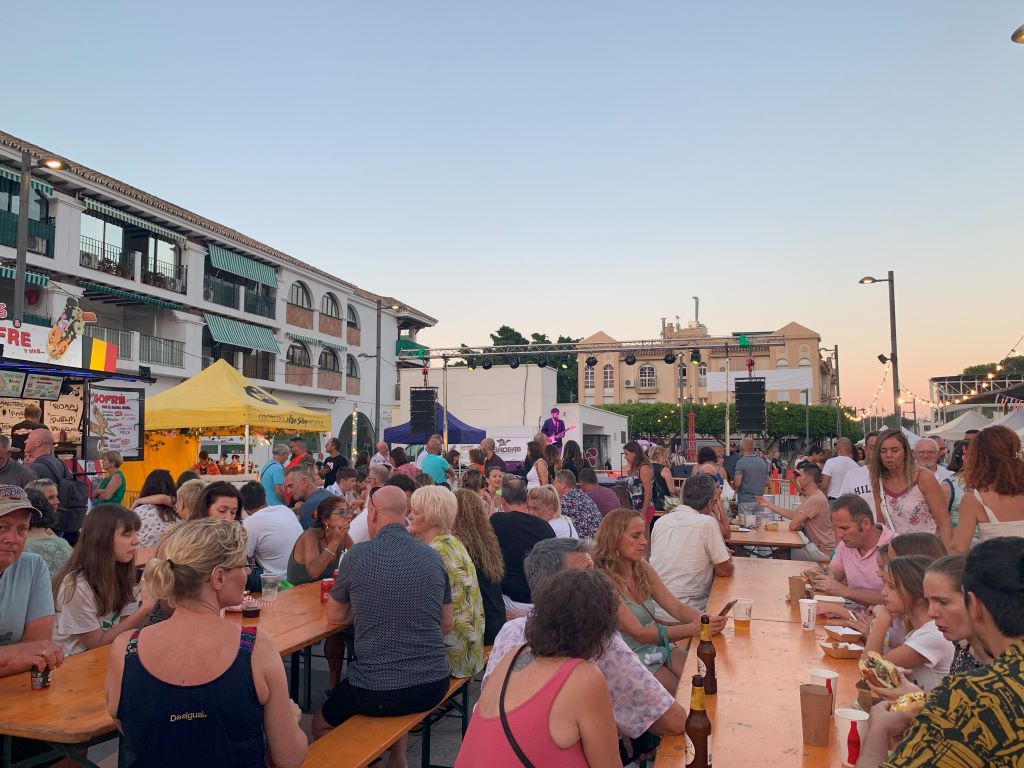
point(95, 596)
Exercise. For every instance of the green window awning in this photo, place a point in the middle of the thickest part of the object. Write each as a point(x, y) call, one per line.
point(31, 278)
point(243, 266)
point(239, 334)
point(129, 295)
point(38, 186)
point(305, 339)
point(135, 221)
point(335, 347)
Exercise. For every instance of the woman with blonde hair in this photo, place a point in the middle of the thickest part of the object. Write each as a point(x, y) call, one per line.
point(110, 490)
point(201, 690)
point(472, 528)
point(431, 519)
point(619, 549)
point(543, 502)
point(908, 498)
point(994, 475)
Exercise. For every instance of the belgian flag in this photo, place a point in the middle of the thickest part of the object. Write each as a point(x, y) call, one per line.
point(99, 355)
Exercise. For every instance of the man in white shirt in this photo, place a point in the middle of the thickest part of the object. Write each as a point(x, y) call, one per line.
point(381, 457)
point(858, 481)
point(926, 454)
point(272, 533)
point(376, 477)
point(836, 468)
point(423, 454)
point(687, 549)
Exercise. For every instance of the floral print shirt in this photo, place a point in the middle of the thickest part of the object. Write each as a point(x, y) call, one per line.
point(464, 645)
point(583, 512)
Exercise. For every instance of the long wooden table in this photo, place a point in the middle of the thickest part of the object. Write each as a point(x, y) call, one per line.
point(755, 716)
point(73, 713)
point(781, 541)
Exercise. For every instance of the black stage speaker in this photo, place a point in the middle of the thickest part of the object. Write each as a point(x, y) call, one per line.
point(423, 411)
point(750, 411)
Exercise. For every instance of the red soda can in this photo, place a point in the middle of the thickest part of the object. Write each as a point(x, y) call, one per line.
point(326, 586)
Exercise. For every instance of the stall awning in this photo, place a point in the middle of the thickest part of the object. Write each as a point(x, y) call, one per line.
point(38, 186)
point(239, 334)
point(305, 339)
point(243, 266)
point(135, 221)
point(138, 298)
point(31, 278)
point(335, 347)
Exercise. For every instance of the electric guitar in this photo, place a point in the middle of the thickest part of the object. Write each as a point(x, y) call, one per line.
point(552, 439)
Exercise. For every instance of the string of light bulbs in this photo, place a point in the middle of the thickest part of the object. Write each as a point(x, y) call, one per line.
point(878, 392)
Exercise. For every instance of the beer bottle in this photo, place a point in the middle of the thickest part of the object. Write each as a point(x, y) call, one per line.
point(706, 657)
point(698, 726)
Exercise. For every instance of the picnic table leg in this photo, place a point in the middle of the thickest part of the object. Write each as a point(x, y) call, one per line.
point(5, 755)
point(307, 654)
point(293, 680)
point(425, 744)
point(465, 708)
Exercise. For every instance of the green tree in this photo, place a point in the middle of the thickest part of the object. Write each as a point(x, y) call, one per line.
point(564, 365)
point(1014, 364)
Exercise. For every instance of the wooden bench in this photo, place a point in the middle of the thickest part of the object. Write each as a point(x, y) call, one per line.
point(361, 739)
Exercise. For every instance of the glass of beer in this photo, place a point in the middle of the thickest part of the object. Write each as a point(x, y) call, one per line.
point(741, 613)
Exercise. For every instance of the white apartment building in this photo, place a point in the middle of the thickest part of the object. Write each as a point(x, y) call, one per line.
point(176, 291)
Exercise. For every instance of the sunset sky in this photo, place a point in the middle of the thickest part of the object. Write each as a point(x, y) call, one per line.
point(572, 167)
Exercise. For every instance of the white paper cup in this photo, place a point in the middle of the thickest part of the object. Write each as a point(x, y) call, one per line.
point(829, 680)
point(808, 613)
point(741, 611)
point(851, 728)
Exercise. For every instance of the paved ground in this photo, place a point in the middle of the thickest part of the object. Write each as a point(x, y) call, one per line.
point(445, 736)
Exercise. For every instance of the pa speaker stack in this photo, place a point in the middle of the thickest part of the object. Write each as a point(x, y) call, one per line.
point(750, 411)
point(423, 411)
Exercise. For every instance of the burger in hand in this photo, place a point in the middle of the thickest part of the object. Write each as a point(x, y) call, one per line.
point(909, 702)
point(878, 672)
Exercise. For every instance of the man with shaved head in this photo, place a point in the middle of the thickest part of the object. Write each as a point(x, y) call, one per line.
point(749, 479)
point(74, 497)
point(394, 591)
point(835, 470)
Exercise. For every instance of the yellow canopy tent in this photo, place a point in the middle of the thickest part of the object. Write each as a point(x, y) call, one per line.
point(221, 400)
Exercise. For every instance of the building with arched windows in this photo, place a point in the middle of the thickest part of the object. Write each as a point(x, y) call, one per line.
point(175, 291)
point(787, 369)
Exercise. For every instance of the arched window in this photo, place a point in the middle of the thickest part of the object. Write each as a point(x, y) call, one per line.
point(352, 317)
point(329, 306)
point(804, 362)
point(329, 360)
point(298, 354)
point(588, 377)
point(352, 366)
point(782, 363)
point(608, 377)
point(702, 370)
point(298, 295)
point(645, 376)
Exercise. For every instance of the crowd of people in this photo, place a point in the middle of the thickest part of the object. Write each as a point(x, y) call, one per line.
point(582, 589)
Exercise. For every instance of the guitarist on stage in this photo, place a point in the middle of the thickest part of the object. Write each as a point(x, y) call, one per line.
point(554, 429)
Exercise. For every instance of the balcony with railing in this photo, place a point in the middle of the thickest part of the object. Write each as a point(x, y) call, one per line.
point(40, 234)
point(123, 339)
point(165, 274)
point(258, 304)
point(106, 257)
point(220, 291)
point(153, 349)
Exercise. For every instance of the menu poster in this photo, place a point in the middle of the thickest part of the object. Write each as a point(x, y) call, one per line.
point(12, 411)
point(40, 386)
point(64, 417)
point(114, 419)
point(11, 383)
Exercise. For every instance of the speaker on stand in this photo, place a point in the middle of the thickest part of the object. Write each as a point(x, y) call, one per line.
point(422, 412)
point(750, 409)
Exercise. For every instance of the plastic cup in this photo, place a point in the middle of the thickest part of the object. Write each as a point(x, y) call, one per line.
point(852, 727)
point(829, 680)
point(808, 613)
point(741, 613)
point(270, 585)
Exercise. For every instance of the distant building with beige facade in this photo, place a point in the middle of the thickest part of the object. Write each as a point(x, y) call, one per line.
point(795, 365)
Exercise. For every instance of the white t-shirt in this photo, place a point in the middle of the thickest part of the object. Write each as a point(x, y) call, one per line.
point(359, 529)
point(273, 532)
point(929, 642)
point(563, 528)
point(837, 468)
point(685, 548)
point(79, 616)
point(857, 481)
point(941, 473)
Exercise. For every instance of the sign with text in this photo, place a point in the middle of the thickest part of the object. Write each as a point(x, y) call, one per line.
point(40, 386)
point(64, 417)
point(11, 383)
point(37, 344)
point(115, 422)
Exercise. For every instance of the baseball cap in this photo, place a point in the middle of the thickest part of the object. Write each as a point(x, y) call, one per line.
point(13, 499)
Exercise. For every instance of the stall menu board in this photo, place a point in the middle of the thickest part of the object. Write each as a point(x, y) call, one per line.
point(40, 386)
point(64, 417)
point(11, 383)
point(115, 422)
point(12, 411)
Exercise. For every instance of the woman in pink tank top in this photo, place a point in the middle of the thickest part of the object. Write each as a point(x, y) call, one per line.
point(546, 703)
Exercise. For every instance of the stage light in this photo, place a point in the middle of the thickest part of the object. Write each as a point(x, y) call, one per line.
point(670, 358)
point(695, 357)
point(591, 361)
point(630, 359)
point(513, 363)
point(486, 364)
point(542, 362)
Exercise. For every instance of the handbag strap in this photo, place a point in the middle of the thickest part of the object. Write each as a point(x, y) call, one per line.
point(504, 719)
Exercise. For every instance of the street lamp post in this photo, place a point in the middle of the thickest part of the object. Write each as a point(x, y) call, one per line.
point(21, 253)
point(892, 341)
point(807, 418)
